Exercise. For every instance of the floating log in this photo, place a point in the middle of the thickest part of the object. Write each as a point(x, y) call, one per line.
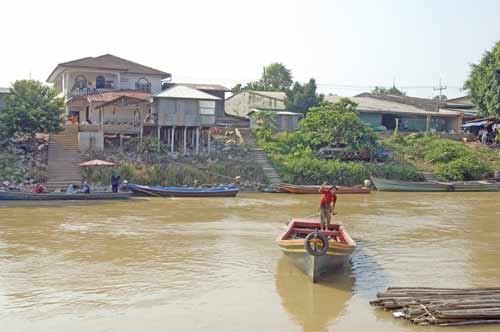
point(442, 306)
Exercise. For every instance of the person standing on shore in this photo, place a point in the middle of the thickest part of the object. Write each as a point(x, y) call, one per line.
point(327, 205)
point(115, 181)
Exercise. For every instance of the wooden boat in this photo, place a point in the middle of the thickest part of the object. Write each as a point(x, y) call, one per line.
point(157, 191)
point(53, 196)
point(393, 185)
point(472, 186)
point(308, 250)
point(311, 189)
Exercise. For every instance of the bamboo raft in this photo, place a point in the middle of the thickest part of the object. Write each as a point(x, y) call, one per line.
point(442, 306)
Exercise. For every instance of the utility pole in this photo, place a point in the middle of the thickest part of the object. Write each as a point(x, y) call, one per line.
point(264, 76)
point(441, 88)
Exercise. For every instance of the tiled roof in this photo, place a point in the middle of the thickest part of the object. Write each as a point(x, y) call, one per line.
point(214, 87)
point(109, 61)
point(184, 92)
point(113, 95)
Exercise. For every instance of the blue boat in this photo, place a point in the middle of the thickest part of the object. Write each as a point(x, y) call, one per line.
point(158, 191)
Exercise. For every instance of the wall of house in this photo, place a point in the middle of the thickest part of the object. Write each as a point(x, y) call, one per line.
point(182, 112)
point(283, 122)
point(93, 141)
point(371, 119)
point(219, 104)
point(127, 81)
point(242, 103)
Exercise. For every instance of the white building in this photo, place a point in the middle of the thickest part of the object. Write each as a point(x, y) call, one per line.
point(242, 103)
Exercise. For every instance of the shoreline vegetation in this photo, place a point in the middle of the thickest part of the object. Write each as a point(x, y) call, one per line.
point(359, 153)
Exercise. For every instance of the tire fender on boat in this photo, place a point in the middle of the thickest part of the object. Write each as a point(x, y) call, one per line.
point(316, 250)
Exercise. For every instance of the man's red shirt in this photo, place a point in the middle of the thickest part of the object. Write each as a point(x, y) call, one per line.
point(327, 198)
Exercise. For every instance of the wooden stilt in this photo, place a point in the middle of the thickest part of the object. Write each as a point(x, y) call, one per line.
point(159, 137)
point(172, 141)
point(197, 140)
point(208, 140)
point(185, 140)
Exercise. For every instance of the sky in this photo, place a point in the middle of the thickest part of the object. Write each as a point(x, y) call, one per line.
point(348, 46)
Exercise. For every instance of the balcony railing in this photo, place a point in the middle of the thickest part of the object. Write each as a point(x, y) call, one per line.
point(88, 91)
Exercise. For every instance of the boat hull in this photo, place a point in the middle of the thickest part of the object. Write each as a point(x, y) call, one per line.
point(229, 191)
point(292, 244)
point(467, 186)
point(392, 185)
point(294, 189)
point(25, 196)
point(316, 266)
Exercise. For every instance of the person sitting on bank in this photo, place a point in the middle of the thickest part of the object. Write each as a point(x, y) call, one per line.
point(327, 205)
point(38, 189)
point(71, 189)
point(85, 187)
point(115, 181)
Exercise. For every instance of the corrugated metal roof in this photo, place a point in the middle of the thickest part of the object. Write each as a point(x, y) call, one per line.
point(214, 87)
point(113, 95)
point(375, 105)
point(4, 90)
point(256, 110)
point(184, 92)
point(271, 94)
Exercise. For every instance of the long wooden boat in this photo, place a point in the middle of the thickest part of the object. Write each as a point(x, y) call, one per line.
point(294, 243)
point(157, 191)
point(393, 185)
point(312, 189)
point(29, 196)
point(472, 186)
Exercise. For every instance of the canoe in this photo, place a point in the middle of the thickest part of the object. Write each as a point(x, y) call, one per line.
point(310, 189)
point(293, 243)
point(393, 185)
point(471, 186)
point(158, 191)
point(29, 196)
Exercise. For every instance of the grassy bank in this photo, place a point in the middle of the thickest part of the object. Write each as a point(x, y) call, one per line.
point(447, 159)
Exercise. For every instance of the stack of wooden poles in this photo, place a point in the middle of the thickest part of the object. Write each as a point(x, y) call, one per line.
point(442, 306)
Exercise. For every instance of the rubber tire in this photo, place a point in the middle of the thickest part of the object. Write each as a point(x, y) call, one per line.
point(316, 235)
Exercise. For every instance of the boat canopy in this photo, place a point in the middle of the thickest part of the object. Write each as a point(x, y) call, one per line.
point(475, 124)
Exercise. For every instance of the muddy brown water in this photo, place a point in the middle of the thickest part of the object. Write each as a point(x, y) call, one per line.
point(212, 264)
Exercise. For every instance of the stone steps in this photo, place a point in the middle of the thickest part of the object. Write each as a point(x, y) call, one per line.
point(64, 157)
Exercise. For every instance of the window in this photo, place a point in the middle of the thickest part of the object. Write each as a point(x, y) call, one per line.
point(143, 85)
point(80, 82)
point(207, 107)
point(100, 82)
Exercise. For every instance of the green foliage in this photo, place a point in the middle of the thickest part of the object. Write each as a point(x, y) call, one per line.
point(148, 145)
point(31, 108)
point(440, 98)
point(337, 125)
point(267, 124)
point(450, 160)
point(465, 168)
point(302, 97)
point(391, 91)
point(277, 77)
point(484, 83)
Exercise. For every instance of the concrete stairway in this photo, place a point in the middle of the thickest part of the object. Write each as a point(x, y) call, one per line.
point(261, 158)
point(64, 157)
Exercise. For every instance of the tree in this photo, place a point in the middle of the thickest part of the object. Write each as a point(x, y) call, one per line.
point(484, 83)
point(267, 124)
point(392, 91)
point(31, 108)
point(440, 98)
point(236, 89)
point(277, 77)
point(302, 97)
point(338, 125)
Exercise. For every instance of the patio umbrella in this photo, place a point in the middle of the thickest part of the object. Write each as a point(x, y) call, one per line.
point(96, 162)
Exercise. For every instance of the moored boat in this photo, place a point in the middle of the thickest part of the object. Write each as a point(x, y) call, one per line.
point(313, 189)
point(316, 252)
point(158, 191)
point(472, 186)
point(394, 185)
point(53, 196)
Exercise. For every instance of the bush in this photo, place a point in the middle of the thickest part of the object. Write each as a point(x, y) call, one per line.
point(466, 168)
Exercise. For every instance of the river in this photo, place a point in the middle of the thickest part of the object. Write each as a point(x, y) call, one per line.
point(212, 264)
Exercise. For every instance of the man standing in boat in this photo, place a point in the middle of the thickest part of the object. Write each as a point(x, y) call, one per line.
point(327, 205)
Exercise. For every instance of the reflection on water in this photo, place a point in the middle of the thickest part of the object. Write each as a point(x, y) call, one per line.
point(312, 305)
point(195, 264)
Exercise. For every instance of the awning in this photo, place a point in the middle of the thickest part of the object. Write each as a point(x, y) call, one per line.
point(475, 124)
point(96, 162)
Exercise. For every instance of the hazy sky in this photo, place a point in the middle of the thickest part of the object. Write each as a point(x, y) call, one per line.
point(348, 46)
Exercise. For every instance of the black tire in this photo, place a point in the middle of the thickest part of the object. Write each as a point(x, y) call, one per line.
point(316, 250)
